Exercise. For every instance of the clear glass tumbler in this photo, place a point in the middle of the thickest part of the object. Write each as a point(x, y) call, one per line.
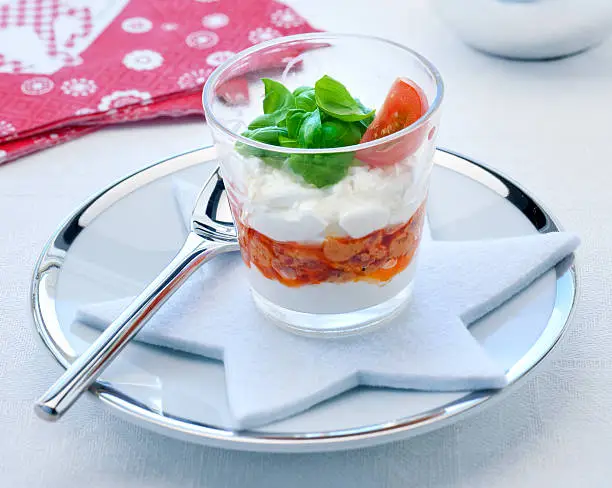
point(326, 258)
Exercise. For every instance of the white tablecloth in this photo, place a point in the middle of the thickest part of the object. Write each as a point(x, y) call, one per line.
point(548, 125)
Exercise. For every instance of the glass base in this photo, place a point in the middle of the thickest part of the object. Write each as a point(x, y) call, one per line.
point(334, 324)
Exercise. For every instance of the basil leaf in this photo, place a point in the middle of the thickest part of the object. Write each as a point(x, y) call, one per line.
point(333, 98)
point(321, 170)
point(301, 89)
point(265, 120)
point(337, 133)
point(287, 141)
point(267, 135)
point(310, 132)
point(277, 97)
point(306, 100)
point(250, 151)
point(295, 118)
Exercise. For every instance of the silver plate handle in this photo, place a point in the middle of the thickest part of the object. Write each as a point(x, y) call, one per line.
point(89, 366)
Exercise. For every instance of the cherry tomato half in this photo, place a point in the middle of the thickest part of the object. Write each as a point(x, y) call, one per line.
point(405, 104)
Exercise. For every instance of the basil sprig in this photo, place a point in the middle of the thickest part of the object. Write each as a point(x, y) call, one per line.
point(325, 116)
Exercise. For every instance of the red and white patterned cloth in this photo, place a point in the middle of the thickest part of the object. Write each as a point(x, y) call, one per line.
point(68, 67)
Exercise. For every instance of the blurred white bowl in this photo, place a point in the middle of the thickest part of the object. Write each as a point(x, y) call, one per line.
point(528, 29)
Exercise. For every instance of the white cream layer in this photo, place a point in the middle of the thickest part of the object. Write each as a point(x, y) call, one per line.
point(284, 208)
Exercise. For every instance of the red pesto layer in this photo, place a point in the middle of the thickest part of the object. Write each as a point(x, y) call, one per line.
point(377, 257)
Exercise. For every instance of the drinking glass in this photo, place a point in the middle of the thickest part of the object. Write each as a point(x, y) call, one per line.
point(326, 259)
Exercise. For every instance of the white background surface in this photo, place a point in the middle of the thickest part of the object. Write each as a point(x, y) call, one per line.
point(547, 125)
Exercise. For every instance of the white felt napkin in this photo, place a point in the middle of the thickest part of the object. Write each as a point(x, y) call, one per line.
point(272, 374)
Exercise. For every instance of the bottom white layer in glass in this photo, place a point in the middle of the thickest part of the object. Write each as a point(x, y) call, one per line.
point(332, 309)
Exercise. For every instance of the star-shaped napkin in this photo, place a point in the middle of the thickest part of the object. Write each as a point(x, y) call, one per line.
point(272, 374)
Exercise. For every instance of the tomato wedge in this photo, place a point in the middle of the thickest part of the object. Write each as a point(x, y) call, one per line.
point(405, 104)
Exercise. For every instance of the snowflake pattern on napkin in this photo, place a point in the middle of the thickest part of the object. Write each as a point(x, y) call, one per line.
point(69, 63)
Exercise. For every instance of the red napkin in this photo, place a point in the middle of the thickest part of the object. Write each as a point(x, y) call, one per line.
point(68, 67)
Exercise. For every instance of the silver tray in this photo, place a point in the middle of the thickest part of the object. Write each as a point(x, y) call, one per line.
point(98, 254)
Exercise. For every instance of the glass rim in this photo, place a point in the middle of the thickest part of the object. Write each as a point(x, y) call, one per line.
point(208, 94)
